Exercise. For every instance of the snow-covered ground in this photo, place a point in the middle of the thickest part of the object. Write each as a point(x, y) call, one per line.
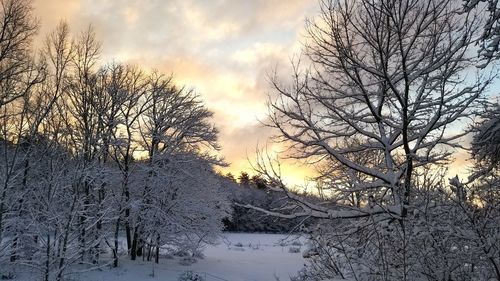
point(237, 257)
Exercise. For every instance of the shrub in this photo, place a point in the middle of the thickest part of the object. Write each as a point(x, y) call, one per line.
point(190, 276)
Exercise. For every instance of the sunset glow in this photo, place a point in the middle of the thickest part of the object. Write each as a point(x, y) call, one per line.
point(225, 50)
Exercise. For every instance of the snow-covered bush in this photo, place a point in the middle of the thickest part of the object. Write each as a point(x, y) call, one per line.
point(450, 237)
point(7, 276)
point(190, 276)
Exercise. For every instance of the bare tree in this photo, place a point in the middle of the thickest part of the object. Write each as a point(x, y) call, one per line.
point(391, 76)
point(83, 125)
point(387, 78)
point(19, 75)
point(490, 38)
point(17, 29)
point(128, 86)
point(175, 121)
point(71, 165)
point(39, 104)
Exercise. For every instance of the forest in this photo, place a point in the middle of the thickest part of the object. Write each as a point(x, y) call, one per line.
point(106, 163)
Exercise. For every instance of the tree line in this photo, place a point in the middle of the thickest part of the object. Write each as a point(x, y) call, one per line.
point(91, 151)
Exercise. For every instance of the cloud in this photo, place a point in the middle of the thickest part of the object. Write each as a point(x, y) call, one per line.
point(45, 10)
point(223, 49)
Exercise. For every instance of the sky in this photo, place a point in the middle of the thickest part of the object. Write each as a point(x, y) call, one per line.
point(224, 49)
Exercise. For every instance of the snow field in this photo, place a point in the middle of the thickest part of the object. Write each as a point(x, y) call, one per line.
point(237, 257)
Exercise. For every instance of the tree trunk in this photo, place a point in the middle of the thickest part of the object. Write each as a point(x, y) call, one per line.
point(65, 240)
point(115, 250)
point(47, 260)
point(133, 249)
point(157, 256)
